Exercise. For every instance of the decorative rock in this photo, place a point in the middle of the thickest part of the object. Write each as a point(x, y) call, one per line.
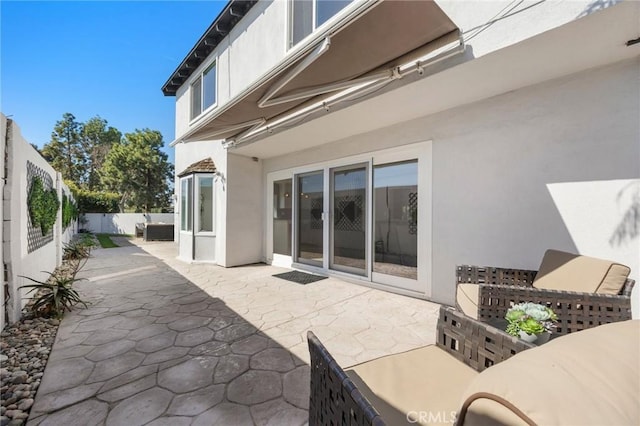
point(25, 347)
point(19, 377)
point(25, 405)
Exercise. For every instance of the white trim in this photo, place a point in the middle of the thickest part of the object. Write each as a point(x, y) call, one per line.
point(200, 75)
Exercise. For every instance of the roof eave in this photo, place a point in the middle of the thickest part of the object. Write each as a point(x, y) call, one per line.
point(232, 13)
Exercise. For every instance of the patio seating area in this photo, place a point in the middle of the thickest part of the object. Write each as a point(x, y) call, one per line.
point(446, 383)
point(451, 382)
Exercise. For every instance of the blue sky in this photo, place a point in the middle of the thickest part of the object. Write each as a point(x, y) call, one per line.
point(106, 58)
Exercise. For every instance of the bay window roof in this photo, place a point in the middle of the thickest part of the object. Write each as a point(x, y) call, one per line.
point(203, 166)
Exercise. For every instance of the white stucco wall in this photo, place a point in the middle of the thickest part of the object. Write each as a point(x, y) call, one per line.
point(528, 19)
point(123, 223)
point(3, 141)
point(509, 172)
point(21, 263)
point(244, 215)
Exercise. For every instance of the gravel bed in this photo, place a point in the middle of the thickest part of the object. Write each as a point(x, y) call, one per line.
point(24, 350)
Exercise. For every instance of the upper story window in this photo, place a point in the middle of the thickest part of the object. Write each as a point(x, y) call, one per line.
point(307, 15)
point(203, 91)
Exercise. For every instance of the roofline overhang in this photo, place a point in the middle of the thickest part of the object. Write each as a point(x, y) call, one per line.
point(221, 26)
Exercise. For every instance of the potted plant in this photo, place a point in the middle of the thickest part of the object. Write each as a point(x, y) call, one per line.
point(529, 321)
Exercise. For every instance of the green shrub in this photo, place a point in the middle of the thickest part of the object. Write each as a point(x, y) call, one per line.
point(98, 202)
point(94, 201)
point(43, 205)
point(69, 211)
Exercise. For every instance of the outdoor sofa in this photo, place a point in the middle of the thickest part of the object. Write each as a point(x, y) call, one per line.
point(583, 291)
point(478, 375)
point(158, 232)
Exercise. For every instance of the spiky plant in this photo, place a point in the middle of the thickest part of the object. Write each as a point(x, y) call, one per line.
point(53, 297)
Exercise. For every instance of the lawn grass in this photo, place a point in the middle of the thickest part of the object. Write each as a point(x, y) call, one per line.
point(105, 241)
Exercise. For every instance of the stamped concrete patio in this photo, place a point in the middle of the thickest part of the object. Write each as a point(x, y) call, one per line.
point(169, 343)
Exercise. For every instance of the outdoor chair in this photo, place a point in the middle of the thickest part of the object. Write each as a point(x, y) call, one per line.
point(583, 291)
point(476, 374)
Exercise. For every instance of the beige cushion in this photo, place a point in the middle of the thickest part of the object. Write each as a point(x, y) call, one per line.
point(467, 299)
point(425, 382)
point(591, 377)
point(571, 272)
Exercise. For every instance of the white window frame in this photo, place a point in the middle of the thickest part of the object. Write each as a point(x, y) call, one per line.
point(196, 208)
point(200, 76)
point(189, 203)
point(289, 40)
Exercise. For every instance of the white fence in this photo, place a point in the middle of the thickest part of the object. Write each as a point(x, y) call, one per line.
point(122, 223)
point(24, 250)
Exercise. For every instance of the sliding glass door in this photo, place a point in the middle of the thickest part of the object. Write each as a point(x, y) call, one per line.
point(348, 233)
point(369, 218)
point(310, 223)
point(395, 219)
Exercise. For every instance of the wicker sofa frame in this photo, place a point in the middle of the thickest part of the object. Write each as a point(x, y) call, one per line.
point(335, 399)
point(500, 287)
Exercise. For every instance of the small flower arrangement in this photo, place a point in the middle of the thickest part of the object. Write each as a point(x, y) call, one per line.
point(530, 318)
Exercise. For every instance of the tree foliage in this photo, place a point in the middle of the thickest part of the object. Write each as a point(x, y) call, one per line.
point(139, 171)
point(94, 201)
point(64, 152)
point(107, 172)
point(97, 140)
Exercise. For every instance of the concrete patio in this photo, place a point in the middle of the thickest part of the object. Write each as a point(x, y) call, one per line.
point(169, 343)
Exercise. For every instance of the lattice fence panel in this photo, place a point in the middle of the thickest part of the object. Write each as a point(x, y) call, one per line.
point(35, 239)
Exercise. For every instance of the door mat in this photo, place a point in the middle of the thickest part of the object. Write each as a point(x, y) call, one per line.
point(300, 277)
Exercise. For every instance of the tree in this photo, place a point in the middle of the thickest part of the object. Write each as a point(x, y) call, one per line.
point(138, 170)
point(97, 140)
point(64, 152)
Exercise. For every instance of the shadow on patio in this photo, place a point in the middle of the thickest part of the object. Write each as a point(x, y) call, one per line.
point(206, 345)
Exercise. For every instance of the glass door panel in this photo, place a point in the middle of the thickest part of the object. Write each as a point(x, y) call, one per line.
point(282, 196)
point(395, 219)
point(310, 205)
point(348, 231)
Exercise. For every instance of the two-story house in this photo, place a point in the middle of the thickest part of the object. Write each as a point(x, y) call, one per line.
point(384, 142)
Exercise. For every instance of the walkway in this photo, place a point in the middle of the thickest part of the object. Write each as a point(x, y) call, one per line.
point(168, 343)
